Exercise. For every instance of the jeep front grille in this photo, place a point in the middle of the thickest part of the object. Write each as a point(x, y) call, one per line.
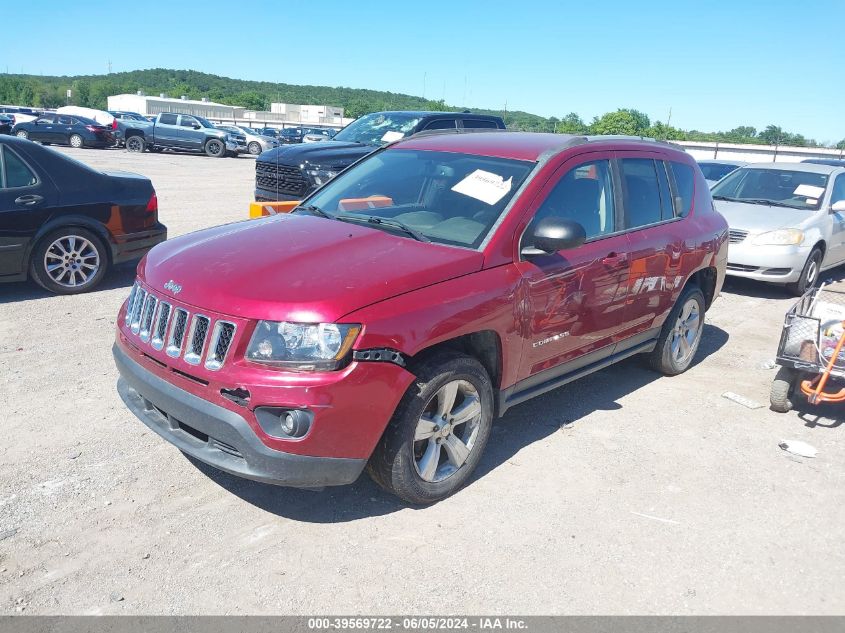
point(193, 337)
point(284, 179)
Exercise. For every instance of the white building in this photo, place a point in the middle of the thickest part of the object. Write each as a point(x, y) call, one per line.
point(147, 105)
point(317, 114)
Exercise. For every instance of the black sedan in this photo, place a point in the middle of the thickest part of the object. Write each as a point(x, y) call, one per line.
point(64, 129)
point(63, 223)
point(6, 124)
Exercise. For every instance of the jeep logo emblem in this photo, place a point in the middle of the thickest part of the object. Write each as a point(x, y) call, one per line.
point(173, 287)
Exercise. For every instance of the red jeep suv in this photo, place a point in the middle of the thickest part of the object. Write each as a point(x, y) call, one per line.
point(399, 309)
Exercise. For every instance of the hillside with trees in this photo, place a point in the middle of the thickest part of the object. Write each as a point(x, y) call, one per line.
point(92, 91)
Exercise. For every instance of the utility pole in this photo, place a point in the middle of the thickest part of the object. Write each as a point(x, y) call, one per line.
point(424, 77)
point(669, 120)
point(110, 67)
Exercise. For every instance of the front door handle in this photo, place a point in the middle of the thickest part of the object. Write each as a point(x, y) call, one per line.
point(28, 200)
point(614, 259)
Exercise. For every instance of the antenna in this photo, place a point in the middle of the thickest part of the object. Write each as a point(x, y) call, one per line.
point(669, 120)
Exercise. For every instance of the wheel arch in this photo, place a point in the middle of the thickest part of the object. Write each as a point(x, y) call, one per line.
point(72, 221)
point(485, 346)
point(706, 279)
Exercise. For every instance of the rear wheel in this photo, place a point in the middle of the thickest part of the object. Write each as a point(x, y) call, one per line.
point(681, 334)
point(69, 261)
point(215, 148)
point(783, 387)
point(22, 134)
point(76, 141)
point(135, 144)
point(438, 432)
point(810, 275)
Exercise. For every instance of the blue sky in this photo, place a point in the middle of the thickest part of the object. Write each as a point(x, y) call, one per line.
point(717, 64)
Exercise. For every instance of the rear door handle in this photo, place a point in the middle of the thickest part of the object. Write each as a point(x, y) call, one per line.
point(28, 200)
point(614, 259)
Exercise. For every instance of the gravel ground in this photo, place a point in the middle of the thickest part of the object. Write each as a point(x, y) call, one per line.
point(622, 493)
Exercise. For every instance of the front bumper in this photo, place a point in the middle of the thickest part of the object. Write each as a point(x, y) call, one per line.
point(775, 264)
point(220, 437)
point(265, 195)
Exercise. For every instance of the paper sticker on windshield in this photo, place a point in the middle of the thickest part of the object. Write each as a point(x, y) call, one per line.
point(812, 201)
point(485, 186)
point(809, 191)
point(389, 137)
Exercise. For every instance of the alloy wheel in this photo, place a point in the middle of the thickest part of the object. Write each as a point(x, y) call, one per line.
point(687, 332)
point(447, 431)
point(22, 134)
point(72, 261)
point(76, 141)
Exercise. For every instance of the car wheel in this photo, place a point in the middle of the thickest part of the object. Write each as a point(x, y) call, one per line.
point(135, 144)
point(22, 134)
point(69, 261)
point(783, 387)
point(809, 276)
point(76, 141)
point(215, 148)
point(681, 334)
point(254, 148)
point(439, 430)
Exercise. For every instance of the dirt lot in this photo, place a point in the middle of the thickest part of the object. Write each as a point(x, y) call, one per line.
point(660, 497)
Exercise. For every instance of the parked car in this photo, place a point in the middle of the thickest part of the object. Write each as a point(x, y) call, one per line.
point(20, 114)
point(255, 143)
point(787, 221)
point(64, 224)
point(104, 118)
point(833, 162)
point(438, 282)
point(64, 129)
point(185, 132)
point(315, 135)
point(715, 170)
point(290, 135)
point(290, 173)
point(6, 124)
point(268, 131)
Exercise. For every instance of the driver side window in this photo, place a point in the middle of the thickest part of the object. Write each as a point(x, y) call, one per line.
point(838, 192)
point(584, 195)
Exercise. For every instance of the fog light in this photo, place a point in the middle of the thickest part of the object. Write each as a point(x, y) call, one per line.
point(288, 424)
point(284, 423)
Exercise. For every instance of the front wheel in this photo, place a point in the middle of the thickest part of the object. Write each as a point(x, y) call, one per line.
point(438, 432)
point(215, 148)
point(681, 334)
point(76, 141)
point(809, 275)
point(69, 261)
point(22, 134)
point(254, 148)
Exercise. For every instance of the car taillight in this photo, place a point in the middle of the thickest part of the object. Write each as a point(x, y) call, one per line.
point(152, 205)
point(114, 124)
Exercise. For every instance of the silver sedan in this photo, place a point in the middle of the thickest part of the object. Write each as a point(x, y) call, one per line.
point(255, 143)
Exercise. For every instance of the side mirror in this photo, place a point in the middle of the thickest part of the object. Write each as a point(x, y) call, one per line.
point(196, 126)
point(838, 207)
point(554, 234)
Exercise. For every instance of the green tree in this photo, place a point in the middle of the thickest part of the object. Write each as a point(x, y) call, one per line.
point(841, 144)
point(620, 122)
point(81, 93)
point(772, 135)
point(572, 124)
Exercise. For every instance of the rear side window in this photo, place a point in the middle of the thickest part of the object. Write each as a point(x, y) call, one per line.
point(16, 173)
point(66, 120)
point(167, 119)
point(641, 192)
point(480, 124)
point(685, 184)
point(441, 124)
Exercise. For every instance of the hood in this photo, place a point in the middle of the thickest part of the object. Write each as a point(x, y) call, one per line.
point(298, 268)
point(324, 154)
point(758, 218)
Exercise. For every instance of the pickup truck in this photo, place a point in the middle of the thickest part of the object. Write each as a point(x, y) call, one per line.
point(186, 132)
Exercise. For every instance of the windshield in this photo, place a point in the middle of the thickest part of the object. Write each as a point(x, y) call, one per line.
point(204, 122)
point(716, 171)
point(446, 197)
point(796, 189)
point(378, 128)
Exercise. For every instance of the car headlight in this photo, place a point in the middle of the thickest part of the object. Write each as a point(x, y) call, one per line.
point(302, 346)
point(321, 176)
point(781, 237)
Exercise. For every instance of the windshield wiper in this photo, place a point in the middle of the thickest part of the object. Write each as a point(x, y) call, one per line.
point(728, 198)
point(374, 219)
point(314, 210)
point(766, 201)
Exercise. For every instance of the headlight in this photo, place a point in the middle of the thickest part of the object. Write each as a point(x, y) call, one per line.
point(302, 346)
point(321, 176)
point(781, 237)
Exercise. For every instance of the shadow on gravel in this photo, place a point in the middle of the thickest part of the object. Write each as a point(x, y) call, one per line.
point(520, 427)
point(121, 276)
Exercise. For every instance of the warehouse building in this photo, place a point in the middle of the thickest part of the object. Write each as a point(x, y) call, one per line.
point(147, 105)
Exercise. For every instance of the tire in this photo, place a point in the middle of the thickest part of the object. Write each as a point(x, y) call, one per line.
point(780, 398)
point(156, 150)
point(810, 275)
point(425, 470)
point(81, 275)
point(22, 134)
point(681, 334)
point(135, 144)
point(254, 148)
point(215, 148)
point(74, 140)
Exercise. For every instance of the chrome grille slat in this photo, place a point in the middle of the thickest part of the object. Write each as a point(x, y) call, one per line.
point(177, 332)
point(160, 329)
point(196, 339)
point(130, 303)
point(140, 300)
point(218, 347)
point(147, 318)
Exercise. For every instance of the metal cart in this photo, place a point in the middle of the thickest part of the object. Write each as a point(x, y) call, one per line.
point(810, 353)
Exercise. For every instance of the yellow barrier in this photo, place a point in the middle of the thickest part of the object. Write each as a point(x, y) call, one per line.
point(263, 209)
